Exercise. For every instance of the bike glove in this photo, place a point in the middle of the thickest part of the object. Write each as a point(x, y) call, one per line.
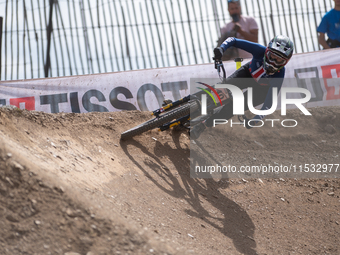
point(218, 52)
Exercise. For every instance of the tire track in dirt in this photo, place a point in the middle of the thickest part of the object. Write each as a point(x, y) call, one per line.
point(78, 186)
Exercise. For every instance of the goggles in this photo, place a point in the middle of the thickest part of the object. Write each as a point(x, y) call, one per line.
point(275, 59)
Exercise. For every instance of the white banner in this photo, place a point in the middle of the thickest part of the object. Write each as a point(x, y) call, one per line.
point(146, 89)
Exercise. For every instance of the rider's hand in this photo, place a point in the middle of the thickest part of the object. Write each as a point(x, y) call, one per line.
point(218, 53)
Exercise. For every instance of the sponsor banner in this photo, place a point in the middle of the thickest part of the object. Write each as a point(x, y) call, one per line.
point(143, 90)
point(146, 89)
point(317, 72)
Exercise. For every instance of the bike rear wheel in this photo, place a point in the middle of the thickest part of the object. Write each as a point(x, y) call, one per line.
point(166, 117)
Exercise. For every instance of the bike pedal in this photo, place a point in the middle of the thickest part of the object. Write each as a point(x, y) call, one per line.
point(166, 102)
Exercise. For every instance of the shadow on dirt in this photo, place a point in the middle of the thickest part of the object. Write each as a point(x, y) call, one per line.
point(235, 224)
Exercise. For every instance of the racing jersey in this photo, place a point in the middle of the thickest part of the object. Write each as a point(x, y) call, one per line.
point(256, 68)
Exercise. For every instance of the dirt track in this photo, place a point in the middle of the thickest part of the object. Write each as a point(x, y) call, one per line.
point(67, 184)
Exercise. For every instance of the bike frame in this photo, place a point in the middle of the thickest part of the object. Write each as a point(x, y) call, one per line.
point(184, 120)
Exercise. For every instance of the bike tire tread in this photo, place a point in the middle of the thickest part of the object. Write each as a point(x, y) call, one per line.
point(156, 122)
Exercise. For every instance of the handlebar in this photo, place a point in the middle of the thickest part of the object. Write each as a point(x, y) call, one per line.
point(219, 65)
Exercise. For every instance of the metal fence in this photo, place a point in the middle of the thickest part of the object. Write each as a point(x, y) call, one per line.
point(49, 38)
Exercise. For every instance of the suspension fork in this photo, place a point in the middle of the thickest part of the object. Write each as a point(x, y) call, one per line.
point(170, 106)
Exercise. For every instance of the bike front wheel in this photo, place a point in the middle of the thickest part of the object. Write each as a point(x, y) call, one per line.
point(166, 117)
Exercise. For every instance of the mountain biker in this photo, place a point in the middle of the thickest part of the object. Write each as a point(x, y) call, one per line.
point(266, 70)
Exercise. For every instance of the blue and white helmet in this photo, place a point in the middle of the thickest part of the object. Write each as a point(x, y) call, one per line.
point(278, 53)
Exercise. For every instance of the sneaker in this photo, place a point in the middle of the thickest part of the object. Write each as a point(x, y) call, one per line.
point(197, 130)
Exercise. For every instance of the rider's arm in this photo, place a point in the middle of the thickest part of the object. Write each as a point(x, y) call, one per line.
point(257, 50)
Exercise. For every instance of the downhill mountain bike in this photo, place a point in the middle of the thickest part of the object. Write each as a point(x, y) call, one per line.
point(185, 112)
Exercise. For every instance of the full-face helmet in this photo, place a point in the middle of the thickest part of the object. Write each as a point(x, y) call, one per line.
point(278, 53)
